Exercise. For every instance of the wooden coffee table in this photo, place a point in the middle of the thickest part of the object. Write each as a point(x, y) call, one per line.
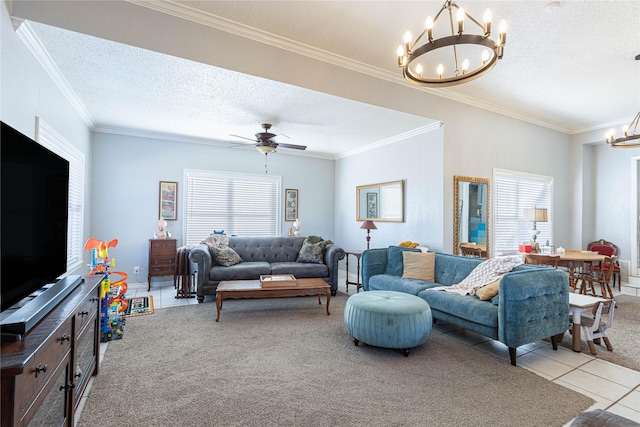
point(252, 289)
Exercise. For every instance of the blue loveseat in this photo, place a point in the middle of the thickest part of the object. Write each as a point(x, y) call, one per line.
point(532, 303)
point(263, 255)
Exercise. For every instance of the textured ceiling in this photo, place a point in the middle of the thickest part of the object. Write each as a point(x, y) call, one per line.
point(570, 67)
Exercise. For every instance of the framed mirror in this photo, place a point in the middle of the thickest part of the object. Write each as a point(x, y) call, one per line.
point(380, 202)
point(471, 197)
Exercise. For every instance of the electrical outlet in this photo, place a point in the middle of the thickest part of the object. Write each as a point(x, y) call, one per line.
point(136, 269)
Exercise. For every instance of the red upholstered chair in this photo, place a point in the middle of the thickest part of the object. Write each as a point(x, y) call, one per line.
point(607, 249)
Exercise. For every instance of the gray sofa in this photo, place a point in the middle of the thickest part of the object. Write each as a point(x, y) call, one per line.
point(532, 302)
point(263, 255)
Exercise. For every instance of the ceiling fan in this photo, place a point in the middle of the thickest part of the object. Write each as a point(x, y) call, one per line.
point(265, 144)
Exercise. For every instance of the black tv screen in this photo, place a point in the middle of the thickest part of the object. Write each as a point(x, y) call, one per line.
point(34, 213)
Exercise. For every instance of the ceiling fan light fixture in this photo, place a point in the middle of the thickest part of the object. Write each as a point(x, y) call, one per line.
point(460, 39)
point(265, 149)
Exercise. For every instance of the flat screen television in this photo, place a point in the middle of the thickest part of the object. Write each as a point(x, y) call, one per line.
point(34, 217)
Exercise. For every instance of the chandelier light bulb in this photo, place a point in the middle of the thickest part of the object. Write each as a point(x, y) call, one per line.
point(610, 135)
point(485, 57)
point(488, 16)
point(465, 66)
point(407, 42)
point(503, 32)
point(460, 19)
point(419, 70)
point(400, 56)
point(429, 26)
point(625, 131)
point(440, 70)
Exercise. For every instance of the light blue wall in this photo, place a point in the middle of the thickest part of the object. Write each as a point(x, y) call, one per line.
point(417, 161)
point(26, 91)
point(605, 196)
point(127, 171)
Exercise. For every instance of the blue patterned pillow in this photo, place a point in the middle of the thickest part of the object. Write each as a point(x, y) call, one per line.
point(312, 252)
point(224, 255)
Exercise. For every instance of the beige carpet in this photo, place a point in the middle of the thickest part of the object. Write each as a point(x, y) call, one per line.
point(623, 335)
point(277, 362)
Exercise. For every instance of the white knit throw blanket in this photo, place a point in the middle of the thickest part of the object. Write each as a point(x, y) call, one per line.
point(486, 272)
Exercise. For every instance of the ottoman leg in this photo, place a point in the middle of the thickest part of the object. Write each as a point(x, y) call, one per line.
point(405, 352)
point(356, 342)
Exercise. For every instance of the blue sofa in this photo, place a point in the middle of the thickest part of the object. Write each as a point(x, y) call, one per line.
point(532, 303)
point(263, 255)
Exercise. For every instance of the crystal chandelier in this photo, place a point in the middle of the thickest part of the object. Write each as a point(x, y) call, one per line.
point(446, 50)
point(630, 137)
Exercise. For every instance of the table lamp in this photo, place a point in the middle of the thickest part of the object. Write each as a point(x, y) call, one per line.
point(368, 225)
point(162, 225)
point(535, 215)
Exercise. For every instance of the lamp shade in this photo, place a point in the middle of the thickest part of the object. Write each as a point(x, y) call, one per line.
point(368, 225)
point(536, 215)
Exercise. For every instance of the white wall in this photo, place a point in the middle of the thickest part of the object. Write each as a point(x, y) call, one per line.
point(126, 175)
point(417, 161)
point(26, 92)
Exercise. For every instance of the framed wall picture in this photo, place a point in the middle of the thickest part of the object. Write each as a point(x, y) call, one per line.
point(290, 204)
point(168, 200)
point(372, 205)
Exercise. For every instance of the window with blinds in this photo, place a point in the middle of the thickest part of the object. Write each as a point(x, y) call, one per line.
point(48, 137)
point(513, 193)
point(239, 204)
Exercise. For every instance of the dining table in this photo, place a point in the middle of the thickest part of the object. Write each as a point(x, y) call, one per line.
point(573, 259)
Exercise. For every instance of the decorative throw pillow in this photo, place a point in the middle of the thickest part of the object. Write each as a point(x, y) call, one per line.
point(419, 265)
point(224, 255)
point(489, 291)
point(395, 264)
point(217, 240)
point(312, 252)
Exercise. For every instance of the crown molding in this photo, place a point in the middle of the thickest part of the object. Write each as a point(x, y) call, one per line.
point(166, 136)
point(391, 140)
point(32, 42)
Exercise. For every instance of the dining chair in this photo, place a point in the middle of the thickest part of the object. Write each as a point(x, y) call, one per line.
point(607, 249)
point(594, 325)
point(587, 281)
point(543, 260)
point(470, 251)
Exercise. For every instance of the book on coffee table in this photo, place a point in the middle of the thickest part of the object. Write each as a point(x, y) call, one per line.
point(275, 281)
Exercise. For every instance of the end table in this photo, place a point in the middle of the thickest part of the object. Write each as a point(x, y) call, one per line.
point(356, 254)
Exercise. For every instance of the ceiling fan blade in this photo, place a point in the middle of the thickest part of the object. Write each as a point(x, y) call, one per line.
point(243, 137)
point(293, 146)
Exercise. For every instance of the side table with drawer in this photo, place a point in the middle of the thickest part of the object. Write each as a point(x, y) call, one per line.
point(162, 258)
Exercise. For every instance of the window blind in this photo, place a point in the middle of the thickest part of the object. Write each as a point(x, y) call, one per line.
point(513, 193)
point(239, 204)
point(48, 137)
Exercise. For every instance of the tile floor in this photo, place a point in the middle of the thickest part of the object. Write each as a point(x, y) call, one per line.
point(613, 387)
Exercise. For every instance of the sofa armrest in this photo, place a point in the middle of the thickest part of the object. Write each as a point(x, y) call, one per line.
point(374, 261)
point(202, 257)
point(333, 254)
point(533, 304)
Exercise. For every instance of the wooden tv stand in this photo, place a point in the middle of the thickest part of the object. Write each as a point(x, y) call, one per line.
point(45, 374)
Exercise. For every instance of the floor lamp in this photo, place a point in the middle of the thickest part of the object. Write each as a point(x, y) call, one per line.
point(368, 225)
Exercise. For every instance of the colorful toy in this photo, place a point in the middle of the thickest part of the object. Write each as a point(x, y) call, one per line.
point(112, 301)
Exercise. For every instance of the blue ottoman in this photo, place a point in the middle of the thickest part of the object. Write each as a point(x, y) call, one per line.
point(388, 319)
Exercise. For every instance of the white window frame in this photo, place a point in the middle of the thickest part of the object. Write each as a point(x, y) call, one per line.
point(508, 225)
point(201, 188)
point(49, 138)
